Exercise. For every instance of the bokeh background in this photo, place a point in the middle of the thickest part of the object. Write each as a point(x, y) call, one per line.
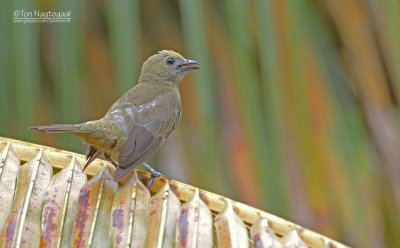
point(295, 109)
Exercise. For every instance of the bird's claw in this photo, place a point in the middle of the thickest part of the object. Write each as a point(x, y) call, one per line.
point(150, 181)
point(154, 174)
point(157, 174)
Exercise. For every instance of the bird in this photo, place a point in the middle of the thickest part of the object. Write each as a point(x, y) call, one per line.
point(140, 121)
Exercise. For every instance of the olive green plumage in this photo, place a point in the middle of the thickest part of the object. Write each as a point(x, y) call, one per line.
point(139, 122)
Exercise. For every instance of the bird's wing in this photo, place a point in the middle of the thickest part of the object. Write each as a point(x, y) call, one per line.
point(152, 123)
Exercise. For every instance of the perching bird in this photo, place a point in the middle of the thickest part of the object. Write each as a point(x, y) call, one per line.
point(139, 122)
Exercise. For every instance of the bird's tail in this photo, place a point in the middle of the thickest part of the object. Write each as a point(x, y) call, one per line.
point(59, 128)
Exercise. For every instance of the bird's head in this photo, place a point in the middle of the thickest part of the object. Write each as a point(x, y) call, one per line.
point(166, 67)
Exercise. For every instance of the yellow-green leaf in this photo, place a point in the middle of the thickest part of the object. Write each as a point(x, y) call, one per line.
point(129, 214)
point(22, 227)
point(9, 165)
point(194, 226)
point(60, 205)
point(93, 214)
point(164, 210)
point(231, 231)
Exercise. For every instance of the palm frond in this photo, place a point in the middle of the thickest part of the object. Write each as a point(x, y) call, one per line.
point(95, 213)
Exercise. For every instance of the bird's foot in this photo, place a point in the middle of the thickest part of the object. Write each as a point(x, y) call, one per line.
point(154, 174)
point(109, 158)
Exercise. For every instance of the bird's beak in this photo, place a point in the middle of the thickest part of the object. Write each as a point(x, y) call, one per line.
point(188, 65)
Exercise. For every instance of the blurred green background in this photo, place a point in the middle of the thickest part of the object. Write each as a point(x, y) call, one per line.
point(295, 110)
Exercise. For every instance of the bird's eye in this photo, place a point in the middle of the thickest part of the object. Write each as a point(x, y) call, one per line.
point(170, 61)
